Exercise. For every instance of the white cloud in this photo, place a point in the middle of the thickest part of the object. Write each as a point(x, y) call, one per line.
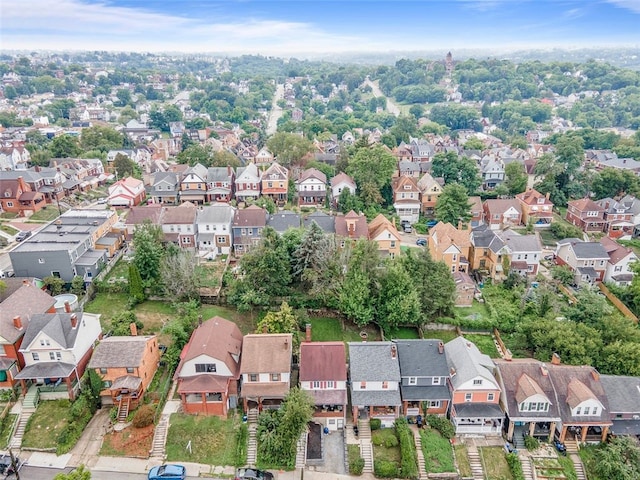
point(633, 5)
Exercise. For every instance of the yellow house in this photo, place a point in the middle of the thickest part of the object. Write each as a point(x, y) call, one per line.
point(384, 233)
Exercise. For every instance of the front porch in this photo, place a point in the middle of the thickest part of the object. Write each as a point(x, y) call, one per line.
point(484, 418)
point(53, 379)
point(585, 433)
point(542, 430)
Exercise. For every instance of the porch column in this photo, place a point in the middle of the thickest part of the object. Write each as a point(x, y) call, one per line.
point(552, 431)
point(69, 388)
point(370, 411)
point(532, 428)
point(584, 434)
point(605, 431)
point(510, 429)
point(405, 406)
point(24, 387)
point(397, 410)
point(563, 433)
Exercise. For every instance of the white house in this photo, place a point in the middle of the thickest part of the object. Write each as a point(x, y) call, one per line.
point(127, 192)
point(621, 259)
point(341, 182)
point(248, 183)
point(214, 228)
point(312, 188)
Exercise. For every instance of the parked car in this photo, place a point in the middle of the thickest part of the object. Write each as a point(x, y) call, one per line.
point(432, 223)
point(102, 200)
point(167, 472)
point(253, 474)
point(421, 242)
point(23, 235)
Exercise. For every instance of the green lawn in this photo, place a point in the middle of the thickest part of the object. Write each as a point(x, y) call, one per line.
point(47, 214)
point(5, 429)
point(477, 309)
point(326, 329)
point(495, 464)
point(484, 343)
point(379, 438)
point(9, 229)
point(246, 321)
point(107, 304)
point(437, 452)
point(444, 335)
point(213, 440)
point(403, 333)
point(120, 270)
point(464, 467)
point(46, 423)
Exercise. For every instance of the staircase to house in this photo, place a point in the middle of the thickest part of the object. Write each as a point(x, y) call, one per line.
point(579, 466)
point(527, 467)
point(301, 450)
point(31, 399)
point(252, 446)
point(16, 438)
point(123, 409)
point(422, 467)
point(475, 461)
point(366, 447)
point(160, 438)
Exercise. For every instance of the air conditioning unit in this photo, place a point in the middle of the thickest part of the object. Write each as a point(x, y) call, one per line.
point(636, 417)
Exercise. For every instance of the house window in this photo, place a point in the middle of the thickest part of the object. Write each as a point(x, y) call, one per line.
point(331, 384)
point(243, 231)
point(208, 227)
point(106, 383)
point(222, 239)
point(594, 411)
point(385, 385)
point(44, 342)
point(253, 377)
point(435, 381)
point(275, 377)
point(363, 385)
point(586, 410)
point(468, 397)
point(130, 369)
point(270, 184)
point(392, 244)
point(578, 410)
point(434, 404)
point(186, 239)
point(205, 367)
point(103, 371)
point(35, 356)
point(413, 380)
point(316, 384)
point(477, 381)
point(490, 397)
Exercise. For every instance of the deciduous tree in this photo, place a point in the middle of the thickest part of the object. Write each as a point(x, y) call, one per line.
point(453, 205)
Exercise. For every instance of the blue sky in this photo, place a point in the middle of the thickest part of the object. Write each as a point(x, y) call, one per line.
point(296, 27)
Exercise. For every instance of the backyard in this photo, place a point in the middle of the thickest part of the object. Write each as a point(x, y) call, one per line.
point(495, 464)
point(212, 440)
point(386, 448)
point(437, 451)
point(326, 329)
point(485, 343)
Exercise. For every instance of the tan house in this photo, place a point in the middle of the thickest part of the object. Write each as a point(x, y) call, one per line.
point(406, 198)
point(430, 190)
point(384, 233)
point(465, 289)
point(275, 183)
point(537, 209)
point(450, 245)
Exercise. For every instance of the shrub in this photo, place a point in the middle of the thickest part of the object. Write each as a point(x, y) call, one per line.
point(409, 464)
point(144, 416)
point(375, 424)
point(391, 442)
point(242, 435)
point(356, 462)
point(515, 466)
point(385, 469)
point(531, 443)
point(442, 425)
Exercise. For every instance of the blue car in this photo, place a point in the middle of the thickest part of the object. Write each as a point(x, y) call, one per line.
point(421, 242)
point(168, 472)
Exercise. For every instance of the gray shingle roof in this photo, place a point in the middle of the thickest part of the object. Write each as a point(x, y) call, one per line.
point(283, 220)
point(464, 358)
point(56, 326)
point(216, 213)
point(376, 398)
point(589, 250)
point(373, 362)
point(623, 393)
point(422, 358)
point(326, 222)
point(119, 352)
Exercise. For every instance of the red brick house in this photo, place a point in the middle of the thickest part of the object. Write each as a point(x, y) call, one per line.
point(209, 368)
point(16, 196)
point(537, 209)
point(499, 213)
point(586, 215)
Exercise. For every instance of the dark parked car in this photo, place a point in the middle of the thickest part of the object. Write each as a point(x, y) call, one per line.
point(432, 223)
point(167, 472)
point(23, 236)
point(421, 242)
point(253, 474)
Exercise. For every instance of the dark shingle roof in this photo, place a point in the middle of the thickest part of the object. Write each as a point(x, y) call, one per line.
point(422, 358)
point(623, 393)
point(119, 352)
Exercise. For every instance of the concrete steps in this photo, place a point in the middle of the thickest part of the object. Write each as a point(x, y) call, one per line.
point(160, 438)
point(578, 465)
point(366, 452)
point(301, 450)
point(252, 443)
point(475, 462)
point(16, 438)
point(422, 466)
point(527, 467)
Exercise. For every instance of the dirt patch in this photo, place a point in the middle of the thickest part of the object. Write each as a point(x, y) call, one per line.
point(314, 441)
point(130, 442)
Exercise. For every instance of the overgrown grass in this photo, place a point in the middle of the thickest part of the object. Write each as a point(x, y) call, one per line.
point(587, 455)
point(443, 335)
point(120, 270)
point(437, 452)
point(5, 428)
point(213, 440)
point(8, 215)
point(484, 343)
point(495, 464)
point(46, 424)
point(107, 305)
point(403, 333)
point(326, 329)
point(380, 439)
point(47, 214)
point(476, 309)
point(462, 459)
point(246, 321)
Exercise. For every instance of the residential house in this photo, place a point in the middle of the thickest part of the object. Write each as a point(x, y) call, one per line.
point(487, 251)
point(265, 369)
point(384, 233)
point(193, 185)
point(17, 197)
point(421, 150)
point(375, 381)
point(126, 365)
point(351, 226)
point(164, 188)
point(492, 172)
point(450, 245)
point(623, 393)
point(209, 368)
point(139, 215)
point(15, 312)
point(264, 157)
point(312, 188)
point(406, 198)
point(407, 168)
point(220, 183)
point(52, 180)
point(214, 228)
point(67, 247)
point(619, 267)
point(537, 209)
point(323, 374)
point(524, 251)
point(179, 225)
point(326, 222)
point(275, 183)
point(465, 289)
point(126, 192)
point(430, 190)
point(283, 220)
point(586, 215)
point(14, 158)
point(424, 376)
point(528, 399)
point(587, 260)
point(633, 206)
point(477, 211)
point(341, 182)
point(248, 183)
point(618, 218)
point(247, 227)
point(475, 395)
point(56, 348)
point(500, 213)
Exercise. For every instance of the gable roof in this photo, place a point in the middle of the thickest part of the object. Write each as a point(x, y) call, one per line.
point(586, 249)
point(498, 206)
point(466, 362)
point(321, 361)
point(138, 214)
point(56, 326)
point(120, 352)
point(342, 222)
point(422, 358)
point(520, 243)
point(266, 353)
point(218, 338)
point(373, 362)
point(216, 213)
point(342, 177)
point(325, 222)
point(446, 235)
point(312, 173)
point(585, 205)
point(283, 220)
point(380, 224)
point(25, 302)
point(615, 251)
point(623, 393)
point(532, 196)
point(181, 214)
point(252, 216)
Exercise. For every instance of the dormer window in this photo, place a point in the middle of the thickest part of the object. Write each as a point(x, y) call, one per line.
point(477, 381)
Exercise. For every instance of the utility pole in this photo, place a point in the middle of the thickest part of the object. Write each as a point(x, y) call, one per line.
point(14, 465)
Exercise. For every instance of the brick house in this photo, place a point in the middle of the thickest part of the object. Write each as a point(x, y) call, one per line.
point(275, 183)
point(536, 208)
point(406, 198)
point(450, 245)
point(126, 192)
point(16, 196)
point(499, 213)
point(586, 215)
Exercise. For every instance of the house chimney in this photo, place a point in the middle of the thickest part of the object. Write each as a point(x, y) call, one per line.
point(543, 370)
point(307, 332)
point(17, 322)
point(555, 359)
point(67, 307)
point(441, 348)
point(74, 320)
point(133, 328)
point(547, 195)
point(595, 374)
point(265, 329)
point(394, 351)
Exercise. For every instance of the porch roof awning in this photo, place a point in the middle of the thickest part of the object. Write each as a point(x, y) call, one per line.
point(203, 384)
point(625, 427)
point(128, 382)
point(376, 398)
point(265, 390)
point(519, 265)
point(329, 397)
point(6, 363)
point(45, 370)
point(590, 271)
point(479, 410)
point(416, 394)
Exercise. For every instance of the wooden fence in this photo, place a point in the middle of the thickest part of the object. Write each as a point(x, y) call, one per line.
point(618, 303)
